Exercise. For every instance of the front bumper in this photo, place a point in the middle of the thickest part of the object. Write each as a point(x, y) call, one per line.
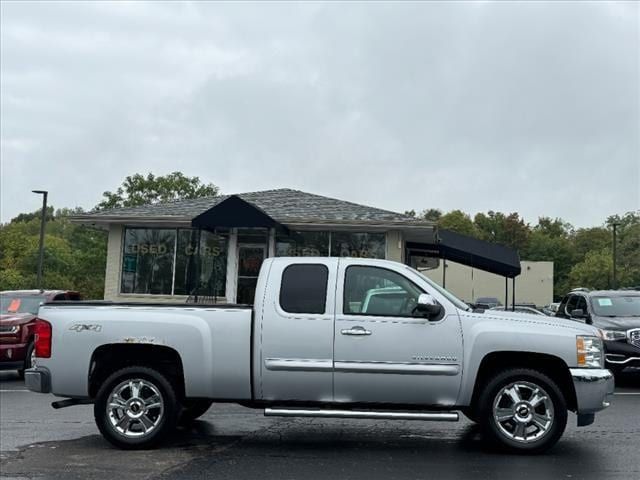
point(12, 356)
point(38, 379)
point(594, 389)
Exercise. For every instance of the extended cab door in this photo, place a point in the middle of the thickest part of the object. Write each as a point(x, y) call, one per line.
point(294, 330)
point(385, 353)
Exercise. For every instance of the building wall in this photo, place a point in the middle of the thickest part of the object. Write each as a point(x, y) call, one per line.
point(114, 263)
point(395, 246)
point(533, 285)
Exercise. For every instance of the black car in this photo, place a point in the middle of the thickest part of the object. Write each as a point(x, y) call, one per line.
point(616, 313)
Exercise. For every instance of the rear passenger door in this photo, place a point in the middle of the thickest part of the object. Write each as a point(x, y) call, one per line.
point(295, 355)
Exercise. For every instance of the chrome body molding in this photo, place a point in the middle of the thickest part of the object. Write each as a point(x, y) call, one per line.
point(364, 414)
point(299, 364)
point(402, 368)
point(594, 388)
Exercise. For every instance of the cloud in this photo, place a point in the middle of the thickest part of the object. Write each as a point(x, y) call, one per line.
point(528, 107)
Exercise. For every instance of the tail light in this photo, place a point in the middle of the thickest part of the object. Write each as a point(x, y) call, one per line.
point(43, 338)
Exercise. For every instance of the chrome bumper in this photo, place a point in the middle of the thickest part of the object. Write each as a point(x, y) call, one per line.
point(594, 389)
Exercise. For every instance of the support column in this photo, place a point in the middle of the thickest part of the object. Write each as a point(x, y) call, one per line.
point(271, 249)
point(444, 273)
point(232, 266)
point(506, 293)
point(513, 294)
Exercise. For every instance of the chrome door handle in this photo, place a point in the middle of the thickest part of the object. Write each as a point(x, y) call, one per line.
point(355, 331)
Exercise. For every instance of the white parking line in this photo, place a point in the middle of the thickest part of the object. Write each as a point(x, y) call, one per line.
point(627, 393)
point(20, 390)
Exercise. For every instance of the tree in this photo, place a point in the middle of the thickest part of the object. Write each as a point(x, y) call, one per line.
point(74, 255)
point(510, 230)
point(433, 214)
point(140, 190)
point(594, 272)
point(459, 222)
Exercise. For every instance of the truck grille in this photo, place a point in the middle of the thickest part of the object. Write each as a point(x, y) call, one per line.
point(634, 337)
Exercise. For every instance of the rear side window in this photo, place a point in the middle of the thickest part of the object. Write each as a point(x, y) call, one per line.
point(304, 288)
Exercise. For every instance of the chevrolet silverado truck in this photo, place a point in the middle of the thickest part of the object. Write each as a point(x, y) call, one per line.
point(325, 337)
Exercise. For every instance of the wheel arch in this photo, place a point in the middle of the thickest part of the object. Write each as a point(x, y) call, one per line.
point(552, 366)
point(111, 357)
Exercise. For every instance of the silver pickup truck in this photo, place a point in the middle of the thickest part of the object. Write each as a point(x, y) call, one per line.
point(326, 337)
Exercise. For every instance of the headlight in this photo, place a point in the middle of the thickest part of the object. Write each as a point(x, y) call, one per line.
point(613, 335)
point(589, 351)
point(9, 330)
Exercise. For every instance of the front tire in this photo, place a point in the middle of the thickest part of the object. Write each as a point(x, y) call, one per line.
point(523, 410)
point(136, 408)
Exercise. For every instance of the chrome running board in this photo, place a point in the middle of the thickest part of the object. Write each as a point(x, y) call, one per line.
point(375, 415)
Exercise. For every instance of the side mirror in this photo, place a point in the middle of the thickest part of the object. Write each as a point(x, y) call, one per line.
point(579, 314)
point(428, 307)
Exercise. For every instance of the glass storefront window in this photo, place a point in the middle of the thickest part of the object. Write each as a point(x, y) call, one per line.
point(147, 263)
point(303, 244)
point(359, 245)
point(213, 263)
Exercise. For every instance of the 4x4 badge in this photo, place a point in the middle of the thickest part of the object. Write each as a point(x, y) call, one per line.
point(80, 327)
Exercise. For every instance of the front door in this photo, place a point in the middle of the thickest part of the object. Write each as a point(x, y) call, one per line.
point(383, 352)
point(250, 258)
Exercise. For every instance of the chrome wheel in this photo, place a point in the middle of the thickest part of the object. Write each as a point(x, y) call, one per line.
point(135, 408)
point(523, 411)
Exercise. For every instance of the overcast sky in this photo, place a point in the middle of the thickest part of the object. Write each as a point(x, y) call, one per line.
point(527, 107)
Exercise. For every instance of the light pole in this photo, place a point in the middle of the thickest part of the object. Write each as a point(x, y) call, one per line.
point(44, 194)
point(615, 280)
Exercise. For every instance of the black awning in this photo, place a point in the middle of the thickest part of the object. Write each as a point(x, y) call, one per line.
point(472, 252)
point(234, 212)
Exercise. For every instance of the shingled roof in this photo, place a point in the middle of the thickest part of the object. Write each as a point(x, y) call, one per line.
point(284, 205)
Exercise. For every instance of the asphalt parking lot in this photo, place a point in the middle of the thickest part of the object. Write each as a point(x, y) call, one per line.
point(232, 442)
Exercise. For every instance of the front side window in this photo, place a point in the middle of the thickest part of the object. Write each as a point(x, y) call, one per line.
point(147, 264)
point(571, 305)
point(581, 304)
point(304, 288)
point(378, 291)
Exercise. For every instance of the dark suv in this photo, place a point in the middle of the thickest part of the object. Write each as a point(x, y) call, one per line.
point(616, 313)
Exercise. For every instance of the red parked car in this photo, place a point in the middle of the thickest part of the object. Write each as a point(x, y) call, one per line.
point(18, 310)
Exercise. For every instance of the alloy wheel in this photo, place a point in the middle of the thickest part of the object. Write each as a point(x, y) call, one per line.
point(135, 408)
point(523, 411)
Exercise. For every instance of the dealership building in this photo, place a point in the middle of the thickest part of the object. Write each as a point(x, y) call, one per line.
point(210, 249)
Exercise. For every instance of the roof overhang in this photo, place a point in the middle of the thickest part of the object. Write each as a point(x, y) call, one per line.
point(490, 257)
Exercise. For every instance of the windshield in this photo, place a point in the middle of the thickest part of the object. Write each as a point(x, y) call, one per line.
point(619, 306)
point(450, 296)
point(10, 304)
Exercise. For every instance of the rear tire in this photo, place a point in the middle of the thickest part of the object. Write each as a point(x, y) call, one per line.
point(136, 408)
point(194, 408)
point(522, 410)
